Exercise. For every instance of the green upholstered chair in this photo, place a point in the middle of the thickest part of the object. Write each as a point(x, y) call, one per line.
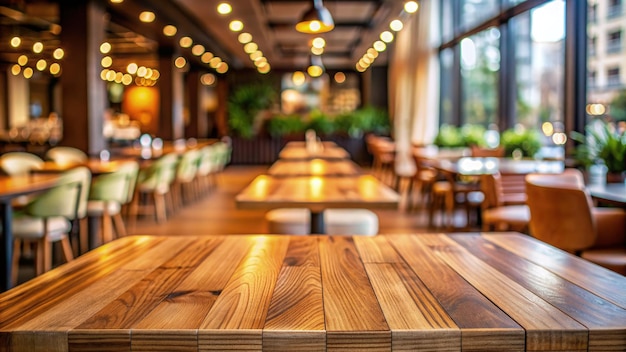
point(20, 163)
point(67, 155)
point(48, 218)
point(154, 184)
point(184, 188)
point(109, 193)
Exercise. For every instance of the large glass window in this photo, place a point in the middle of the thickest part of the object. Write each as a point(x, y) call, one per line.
point(474, 12)
point(447, 92)
point(480, 63)
point(539, 64)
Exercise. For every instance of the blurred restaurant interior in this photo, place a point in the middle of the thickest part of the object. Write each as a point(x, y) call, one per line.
point(480, 141)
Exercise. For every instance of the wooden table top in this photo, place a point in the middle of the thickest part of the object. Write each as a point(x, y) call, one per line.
point(470, 292)
point(296, 152)
point(314, 167)
point(317, 193)
point(95, 165)
point(14, 186)
point(488, 165)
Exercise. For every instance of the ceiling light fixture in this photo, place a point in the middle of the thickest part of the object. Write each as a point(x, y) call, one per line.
point(316, 20)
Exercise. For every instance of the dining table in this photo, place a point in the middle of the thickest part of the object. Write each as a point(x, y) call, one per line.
point(314, 167)
point(317, 193)
point(304, 151)
point(12, 187)
point(404, 292)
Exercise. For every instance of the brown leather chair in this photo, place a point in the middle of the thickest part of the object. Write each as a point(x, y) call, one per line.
point(498, 215)
point(563, 215)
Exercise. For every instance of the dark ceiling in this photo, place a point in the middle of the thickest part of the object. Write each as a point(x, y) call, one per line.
point(358, 24)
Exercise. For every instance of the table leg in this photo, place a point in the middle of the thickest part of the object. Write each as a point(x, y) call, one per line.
point(317, 223)
point(6, 247)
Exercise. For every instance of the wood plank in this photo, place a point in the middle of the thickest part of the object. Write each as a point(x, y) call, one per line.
point(547, 328)
point(484, 327)
point(99, 340)
point(569, 298)
point(185, 340)
point(602, 282)
point(376, 249)
point(54, 287)
point(354, 320)
point(417, 322)
point(240, 311)
point(295, 319)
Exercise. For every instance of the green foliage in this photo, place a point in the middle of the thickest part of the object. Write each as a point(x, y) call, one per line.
point(366, 119)
point(321, 123)
point(282, 125)
point(618, 107)
point(474, 135)
point(450, 136)
point(244, 104)
point(601, 143)
point(525, 140)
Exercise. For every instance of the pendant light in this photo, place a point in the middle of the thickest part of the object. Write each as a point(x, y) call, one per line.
point(316, 20)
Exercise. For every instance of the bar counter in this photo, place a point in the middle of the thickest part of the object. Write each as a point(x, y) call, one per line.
point(435, 292)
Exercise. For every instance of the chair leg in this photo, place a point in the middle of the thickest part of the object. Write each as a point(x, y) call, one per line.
point(120, 228)
point(17, 249)
point(67, 249)
point(107, 231)
point(159, 205)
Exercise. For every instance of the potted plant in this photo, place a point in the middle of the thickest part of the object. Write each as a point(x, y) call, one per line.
point(520, 142)
point(602, 143)
point(245, 105)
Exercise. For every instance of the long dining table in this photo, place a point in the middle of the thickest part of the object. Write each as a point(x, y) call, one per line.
point(317, 180)
point(413, 292)
point(12, 187)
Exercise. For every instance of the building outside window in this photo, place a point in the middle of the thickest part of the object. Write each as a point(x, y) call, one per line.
point(614, 9)
point(612, 75)
point(614, 44)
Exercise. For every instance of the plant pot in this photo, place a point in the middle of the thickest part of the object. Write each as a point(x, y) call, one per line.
point(615, 177)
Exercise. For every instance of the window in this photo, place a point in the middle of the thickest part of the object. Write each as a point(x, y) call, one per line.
point(614, 9)
point(446, 113)
point(475, 11)
point(480, 66)
point(591, 78)
point(614, 43)
point(591, 46)
point(592, 13)
point(613, 77)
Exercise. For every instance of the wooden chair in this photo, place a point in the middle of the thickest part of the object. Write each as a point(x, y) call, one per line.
point(496, 215)
point(563, 215)
point(108, 194)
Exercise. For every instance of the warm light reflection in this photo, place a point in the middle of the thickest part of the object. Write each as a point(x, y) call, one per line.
point(260, 187)
point(105, 47)
point(367, 187)
point(147, 17)
point(386, 36)
point(55, 68)
point(127, 79)
point(141, 71)
point(244, 38)
point(396, 25)
point(37, 47)
point(41, 64)
point(16, 41)
point(58, 53)
point(317, 51)
point(224, 8)
point(250, 47)
point(255, 55)
point(185, 42)
point(380, 46)
point(235, 25)
point(208, 79)
point(317, 167)
point(110, 75)
point(411, 6)
point(180, 62)
point(319, 42)
point(222, 67)
point(316, 187)
point(298, 78)
point(215, 61)
point(314, 71)
point(106, 61)
point(22, 60)
point(559, 138)
point(264, 69)
point(206, 57)
point(16, 69)
point(169, 30)
point(340, 77)
point(132, 68)
point(197, 49)
point(547, 128)
point(28, 72)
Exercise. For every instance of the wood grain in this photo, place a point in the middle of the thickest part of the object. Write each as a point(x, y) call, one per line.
point(437, 292)
point(314, 167)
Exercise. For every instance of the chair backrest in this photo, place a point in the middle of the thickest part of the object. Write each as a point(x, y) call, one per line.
point(20, 163)
point(67, 155)
point(491, 186)
point(68, 198)
point(117, 186)
point(187, 165)
point(160, 174)
point(560, 211)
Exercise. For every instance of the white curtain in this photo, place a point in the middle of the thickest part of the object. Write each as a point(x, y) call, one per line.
point(414, 85)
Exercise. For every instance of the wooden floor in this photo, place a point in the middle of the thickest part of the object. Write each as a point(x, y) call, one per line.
point(216, 213)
